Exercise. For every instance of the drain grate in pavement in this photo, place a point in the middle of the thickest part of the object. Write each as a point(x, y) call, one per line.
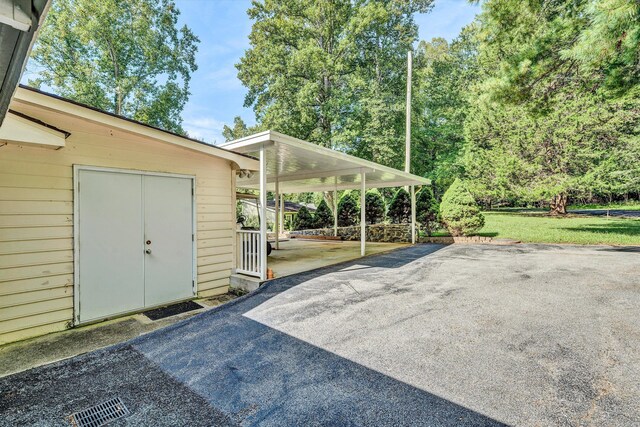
point(172, 310)
point(99, 415)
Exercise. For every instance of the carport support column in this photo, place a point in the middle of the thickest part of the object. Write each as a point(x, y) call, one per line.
point(276, 227)
point(281, 229)
point(335, 209)
point(263, 213)
point(413, 214)
point(363, 225)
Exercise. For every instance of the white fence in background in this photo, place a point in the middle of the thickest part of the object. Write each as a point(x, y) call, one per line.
point(248, 259)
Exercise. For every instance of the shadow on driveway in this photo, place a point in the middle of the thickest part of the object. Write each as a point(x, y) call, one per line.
point(222, 368)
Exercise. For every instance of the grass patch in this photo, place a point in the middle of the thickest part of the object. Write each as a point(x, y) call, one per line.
point(536, 227)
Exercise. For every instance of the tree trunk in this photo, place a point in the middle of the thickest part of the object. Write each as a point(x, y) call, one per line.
point(558, 205)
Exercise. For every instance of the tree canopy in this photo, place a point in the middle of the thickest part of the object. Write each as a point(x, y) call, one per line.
point(534, 102)
point(127, 57)
point(548, 120)
point(332, 72)
point(239, 129)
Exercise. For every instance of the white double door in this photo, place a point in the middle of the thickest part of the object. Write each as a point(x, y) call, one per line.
point(135, 242)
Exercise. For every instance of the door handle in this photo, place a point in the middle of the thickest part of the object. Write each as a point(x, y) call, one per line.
point(148, 251)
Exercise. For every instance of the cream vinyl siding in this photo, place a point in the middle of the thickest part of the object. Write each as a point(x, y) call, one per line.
point(36, 220)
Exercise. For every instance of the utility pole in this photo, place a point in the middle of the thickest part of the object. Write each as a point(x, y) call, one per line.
point(407, 152)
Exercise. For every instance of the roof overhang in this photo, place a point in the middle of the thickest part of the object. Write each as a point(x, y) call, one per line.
point(24, 130)
point(19, 22)
point(300, 166)
point(28, 100)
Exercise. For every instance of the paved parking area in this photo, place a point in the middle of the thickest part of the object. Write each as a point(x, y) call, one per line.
point(428, 335)
point(300, 255)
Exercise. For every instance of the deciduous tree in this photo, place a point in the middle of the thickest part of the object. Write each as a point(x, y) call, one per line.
point(127, 57)
point(332, 71)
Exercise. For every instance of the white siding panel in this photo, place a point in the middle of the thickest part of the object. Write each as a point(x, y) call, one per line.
point(36, 221)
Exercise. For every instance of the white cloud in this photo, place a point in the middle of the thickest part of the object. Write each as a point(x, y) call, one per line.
point(205, 128)
point(224, 78)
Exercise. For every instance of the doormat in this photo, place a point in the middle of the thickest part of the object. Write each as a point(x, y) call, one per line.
point(172, 310)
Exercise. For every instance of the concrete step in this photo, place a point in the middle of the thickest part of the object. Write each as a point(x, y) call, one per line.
point(245, 283)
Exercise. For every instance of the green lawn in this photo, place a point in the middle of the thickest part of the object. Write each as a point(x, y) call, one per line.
point(536, 227)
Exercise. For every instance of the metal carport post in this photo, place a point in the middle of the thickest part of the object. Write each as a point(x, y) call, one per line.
point(263, 213)
point(363, 225)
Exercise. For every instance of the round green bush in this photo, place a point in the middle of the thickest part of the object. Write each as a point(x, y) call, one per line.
point(348, 210)
point(459, 211)
point(374, 207)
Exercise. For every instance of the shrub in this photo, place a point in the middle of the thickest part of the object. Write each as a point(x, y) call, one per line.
point(427, 209)
point(303, 220)
point(374, 207)
point(400, 208)
point(459, 210)
point(348, 210)
point(323, 218)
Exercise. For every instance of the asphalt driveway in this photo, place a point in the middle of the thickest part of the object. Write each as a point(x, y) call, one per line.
point(428, 335)
point(623, 213)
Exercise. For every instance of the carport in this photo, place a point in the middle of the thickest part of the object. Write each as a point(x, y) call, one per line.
point(290, 165)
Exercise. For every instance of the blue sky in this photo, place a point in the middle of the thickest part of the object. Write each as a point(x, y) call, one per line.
point(223, 28)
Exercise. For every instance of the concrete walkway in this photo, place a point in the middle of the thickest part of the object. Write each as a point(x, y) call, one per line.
point(427, 335)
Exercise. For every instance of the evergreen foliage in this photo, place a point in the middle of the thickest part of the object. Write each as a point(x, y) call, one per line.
point(459, 211)
point(400, 208)
point(427, 209)
point(374, 207)
point(556, 113)
point(323, 217)
point(348, 210)
point(303, 219)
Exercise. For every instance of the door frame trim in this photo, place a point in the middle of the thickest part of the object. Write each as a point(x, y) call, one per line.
point(76, 233)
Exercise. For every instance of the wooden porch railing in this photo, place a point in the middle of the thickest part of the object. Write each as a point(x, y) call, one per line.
point(248, 259)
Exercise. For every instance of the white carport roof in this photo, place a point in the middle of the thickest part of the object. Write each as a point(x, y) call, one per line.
point(300, 166)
